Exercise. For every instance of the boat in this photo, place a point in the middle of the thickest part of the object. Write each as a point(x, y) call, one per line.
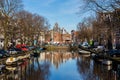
point(101, 59)
point(107, 62)
point(97, 58)
point(27, 56)
point(11, 61)
point(107, 67)
point(93, 55)
point(10, 68)
point(83, 52)
point(20, 57)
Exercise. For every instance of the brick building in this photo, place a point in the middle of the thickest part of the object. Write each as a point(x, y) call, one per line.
point(57, 35)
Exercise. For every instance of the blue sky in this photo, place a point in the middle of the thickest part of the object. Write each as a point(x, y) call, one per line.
point(61, 11)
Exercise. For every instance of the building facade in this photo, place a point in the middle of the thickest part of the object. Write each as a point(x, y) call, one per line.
point(111, 19)
point(57, 35)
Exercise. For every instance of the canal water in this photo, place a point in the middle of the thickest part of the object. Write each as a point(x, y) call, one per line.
point(60, 65)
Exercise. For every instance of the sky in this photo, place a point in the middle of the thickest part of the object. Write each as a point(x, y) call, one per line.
point(64, 12)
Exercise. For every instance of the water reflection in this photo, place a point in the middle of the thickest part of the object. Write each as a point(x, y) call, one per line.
point(89, 70)
point(28, 70)
point(57, 58)
point(61, 65)
point(85, 68)
point(36, 71)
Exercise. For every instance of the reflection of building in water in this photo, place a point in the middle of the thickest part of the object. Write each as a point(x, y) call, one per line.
point(57, 58)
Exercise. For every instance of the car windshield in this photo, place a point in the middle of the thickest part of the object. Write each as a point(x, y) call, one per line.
point(85, 44)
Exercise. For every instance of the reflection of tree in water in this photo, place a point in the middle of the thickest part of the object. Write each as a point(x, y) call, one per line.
point(37, 71)
point(93, 71)
point(85, 69)
point(103, 72)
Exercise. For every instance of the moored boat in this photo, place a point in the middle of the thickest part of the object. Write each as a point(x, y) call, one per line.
point(11, 61)
point(83, 52)
point(97, 58)
point(10, 68)
point(107, 62)
point(107, 67)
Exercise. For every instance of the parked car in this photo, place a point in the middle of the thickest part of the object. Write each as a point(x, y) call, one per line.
point(14, 50)
point(114, 53)
point(22, 47)
point(99, 48)
point(30, 47)
point(4, 53)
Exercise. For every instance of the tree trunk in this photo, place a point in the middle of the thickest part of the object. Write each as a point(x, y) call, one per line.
point(5, 37)
point(109, 45)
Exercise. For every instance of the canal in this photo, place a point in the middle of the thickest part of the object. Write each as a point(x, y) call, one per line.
point(60, 65)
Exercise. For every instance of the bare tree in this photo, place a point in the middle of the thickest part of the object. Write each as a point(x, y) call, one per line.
point(102, 5)
point(85, 29)
point(108, 9)
point(7, 10)
point(33, 23)
point(10, 7)
point(41, 25)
